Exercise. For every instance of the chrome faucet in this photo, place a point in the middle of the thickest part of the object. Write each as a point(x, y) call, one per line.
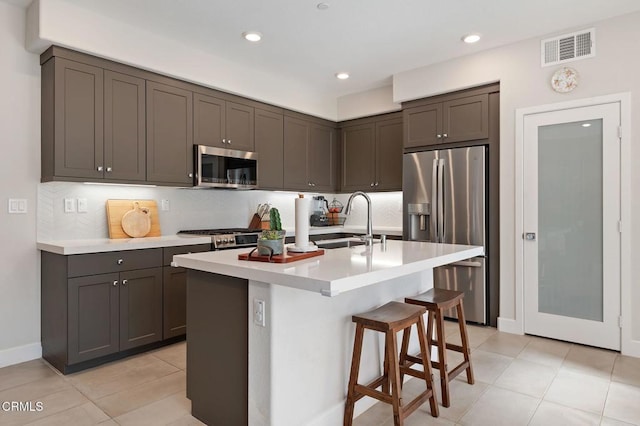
point(368, 239)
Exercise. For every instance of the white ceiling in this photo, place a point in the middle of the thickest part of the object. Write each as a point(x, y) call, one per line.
point(370, 39)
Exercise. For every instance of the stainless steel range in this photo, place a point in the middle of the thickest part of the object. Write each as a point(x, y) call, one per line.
point(228, 238)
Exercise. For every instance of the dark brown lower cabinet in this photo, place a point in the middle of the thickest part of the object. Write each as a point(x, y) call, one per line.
point(174, 302)
point(97, 307)
point(109, 313)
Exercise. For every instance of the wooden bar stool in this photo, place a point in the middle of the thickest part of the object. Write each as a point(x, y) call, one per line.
point(436, 301)
point(389, 319)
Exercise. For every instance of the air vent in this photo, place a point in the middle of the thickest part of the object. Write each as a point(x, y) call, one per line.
point(569, 47)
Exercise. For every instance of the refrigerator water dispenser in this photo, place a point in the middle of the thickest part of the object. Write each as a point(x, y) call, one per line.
point(419, 221)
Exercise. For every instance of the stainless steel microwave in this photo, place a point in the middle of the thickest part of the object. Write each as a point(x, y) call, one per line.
point(225, 168)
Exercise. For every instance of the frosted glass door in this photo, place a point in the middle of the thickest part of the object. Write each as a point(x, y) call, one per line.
point(572, 209)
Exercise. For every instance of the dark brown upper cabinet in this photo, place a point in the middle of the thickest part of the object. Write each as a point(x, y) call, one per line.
point(124, 127)
point(73, 121)
point(455, 120)
point(169, 134)
point(223, 124)
point(269, 139)
point(310, 161)
point(372, 154)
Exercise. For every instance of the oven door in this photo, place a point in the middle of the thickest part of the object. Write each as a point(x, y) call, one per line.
point(225, 168)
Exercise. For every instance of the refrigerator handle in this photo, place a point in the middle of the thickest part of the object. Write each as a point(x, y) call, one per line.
point(434, 202)
point(441, 200)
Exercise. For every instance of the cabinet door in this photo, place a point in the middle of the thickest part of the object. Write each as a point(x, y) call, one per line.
point(140, 307)
point(239, 127)
point(208, 121)
point(358, 157)
point(169, 134)
point(296, 138)
point(124, 127)
point(78, 137)
point(93, 317)
point(389, 155)
point(321, 158)
point(466, 119)
point(174, 302)
point(269, 140)
point(423, 125)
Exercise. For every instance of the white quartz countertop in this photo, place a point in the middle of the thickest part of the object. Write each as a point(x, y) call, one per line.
point(99, 245)
point(338, 270)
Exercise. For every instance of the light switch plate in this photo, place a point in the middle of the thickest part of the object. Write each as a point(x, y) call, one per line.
point(17, 205)
point(259, 313)
point(69, 205)
point(82, 205)
point(164, 205)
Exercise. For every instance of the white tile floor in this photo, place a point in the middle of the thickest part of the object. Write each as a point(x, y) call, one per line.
point(520, 380)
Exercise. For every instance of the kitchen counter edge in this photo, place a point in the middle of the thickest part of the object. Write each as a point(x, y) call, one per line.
point(101, 245)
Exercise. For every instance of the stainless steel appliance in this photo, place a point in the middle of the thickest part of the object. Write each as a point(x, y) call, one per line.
point(445, 201)
point(228, 238)
point(225, 168)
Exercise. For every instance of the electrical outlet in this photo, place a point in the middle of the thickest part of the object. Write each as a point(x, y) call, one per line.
point(259, 314)
point(82, 205)
point(164, 205)
point(69, 205)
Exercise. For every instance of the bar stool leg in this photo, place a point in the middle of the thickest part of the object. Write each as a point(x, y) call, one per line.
point(353, 377)
point(394, 376)
point(406, 333)
point(426, 363)
point(442, 358)
point(465, 343)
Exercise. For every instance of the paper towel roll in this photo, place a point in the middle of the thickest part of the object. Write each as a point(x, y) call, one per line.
point(302, 222)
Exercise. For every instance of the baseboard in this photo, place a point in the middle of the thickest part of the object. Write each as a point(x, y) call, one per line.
point(509, 325)
point(631, 348)
point(20, 354)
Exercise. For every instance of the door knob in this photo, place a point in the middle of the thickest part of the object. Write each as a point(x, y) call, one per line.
point(124, 282)
point(444, 135)
point(530, 236)
point(115, 283)
point(120, 261)
point(100, 168)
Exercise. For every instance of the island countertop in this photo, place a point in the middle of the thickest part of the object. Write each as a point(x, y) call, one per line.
point(338, 270)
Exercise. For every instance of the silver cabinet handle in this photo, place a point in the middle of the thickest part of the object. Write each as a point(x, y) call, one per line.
point(466, 263)
point(109, 169)
point(530, 236)
point(190, 175)
point(376, 184)
point(224, 141)
point(115, 283)
point(371, 184)
point(313, 184)
point(229, 141)
point(439, 136)
point(100, 168)
point(445, 135)
point(120, 261)
point(124, 282)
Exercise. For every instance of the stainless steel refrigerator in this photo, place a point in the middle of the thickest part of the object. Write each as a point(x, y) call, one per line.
point(445, 201)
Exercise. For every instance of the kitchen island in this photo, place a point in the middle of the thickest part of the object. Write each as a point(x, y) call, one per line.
point(289, 364)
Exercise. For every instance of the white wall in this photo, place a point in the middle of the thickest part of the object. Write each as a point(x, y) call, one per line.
point(523, 83)
point(371, 102)
point(19, 176)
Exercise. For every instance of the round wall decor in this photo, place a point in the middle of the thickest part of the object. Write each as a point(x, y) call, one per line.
point(564, 80)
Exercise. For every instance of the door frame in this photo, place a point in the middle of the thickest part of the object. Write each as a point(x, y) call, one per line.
point(627, 344)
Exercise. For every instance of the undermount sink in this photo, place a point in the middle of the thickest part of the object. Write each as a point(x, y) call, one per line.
point(341, 243)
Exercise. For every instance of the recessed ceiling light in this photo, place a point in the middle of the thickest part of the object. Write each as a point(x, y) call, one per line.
point(252, 36)
point(342, 76)
point(323, 6)
point(471, 38)
point(586, 124)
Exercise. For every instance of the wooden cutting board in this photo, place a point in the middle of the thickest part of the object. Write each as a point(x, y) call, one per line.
point(116, 209)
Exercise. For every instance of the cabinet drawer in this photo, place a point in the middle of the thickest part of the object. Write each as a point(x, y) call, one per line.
point(117, 261)
point(169, 252)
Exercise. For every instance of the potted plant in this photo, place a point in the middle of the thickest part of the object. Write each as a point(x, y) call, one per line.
point(271, 240)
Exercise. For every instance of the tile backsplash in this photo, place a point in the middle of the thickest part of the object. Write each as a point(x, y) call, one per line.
point(188, 208)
